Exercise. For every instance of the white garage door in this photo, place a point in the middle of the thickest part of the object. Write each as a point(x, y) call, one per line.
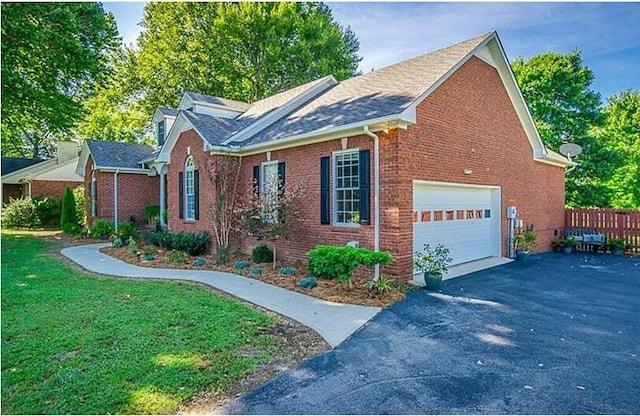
point(466, 219)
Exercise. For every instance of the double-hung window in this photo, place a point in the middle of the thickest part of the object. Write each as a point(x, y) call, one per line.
point(160, 131)
point(346, 188)
point(190, 189)
point(269, 188)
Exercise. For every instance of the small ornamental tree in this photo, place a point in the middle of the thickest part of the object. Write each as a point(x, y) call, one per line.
point(223, 175)
point(272, 217)
point(68, 215)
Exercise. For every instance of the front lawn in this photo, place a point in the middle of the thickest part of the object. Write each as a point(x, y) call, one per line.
point(77, 343)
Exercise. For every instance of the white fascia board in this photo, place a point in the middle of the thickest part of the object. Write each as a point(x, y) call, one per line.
point(179, 126)
point(62, 166)
point(82, 159)
point(320, 135)
point(280, 112)
point(185, 102)
point(122, 170)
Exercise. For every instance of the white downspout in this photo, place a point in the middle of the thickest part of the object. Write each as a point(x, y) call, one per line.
point(376, 198)
point(115, 199)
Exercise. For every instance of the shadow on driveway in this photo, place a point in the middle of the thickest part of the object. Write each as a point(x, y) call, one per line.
point(559, 334)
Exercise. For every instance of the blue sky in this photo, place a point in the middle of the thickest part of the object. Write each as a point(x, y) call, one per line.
point(608, 34)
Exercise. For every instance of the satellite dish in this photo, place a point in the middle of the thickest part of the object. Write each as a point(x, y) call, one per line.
point(570, 150)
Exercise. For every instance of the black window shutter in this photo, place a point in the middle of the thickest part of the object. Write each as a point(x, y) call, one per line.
point(256, 179)
point(324, 191)
point(196, 191)
point(181, 195)
point(281, 177)
point(365, 187)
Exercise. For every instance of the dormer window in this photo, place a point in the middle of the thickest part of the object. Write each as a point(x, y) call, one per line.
point(160, 127)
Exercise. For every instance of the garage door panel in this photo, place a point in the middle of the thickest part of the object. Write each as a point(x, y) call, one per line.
point(464, 219)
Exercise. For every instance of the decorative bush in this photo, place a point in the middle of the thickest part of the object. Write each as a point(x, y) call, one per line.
point(383, 284)
point(152, 212)
point(72, 229)
point(176, 256)
point(20, 213)
point(102, 228)
point(308, 282)
point(68, 215)
point(133, 246)
point(150, 250)
point(199, 262)
point(288, 271)
point(117, 242)
point(127, 230)
point(78, 196)
point(339, 262)
point(48, 210)
point(262, 254)
point(256, 270)
point(241, 264)
point(194, 244)
point(148, 257)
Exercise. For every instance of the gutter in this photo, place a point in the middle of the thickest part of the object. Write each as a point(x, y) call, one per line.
point(115, 199)
point(376, 198)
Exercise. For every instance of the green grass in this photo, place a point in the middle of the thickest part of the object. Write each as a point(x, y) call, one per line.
point(77, 343)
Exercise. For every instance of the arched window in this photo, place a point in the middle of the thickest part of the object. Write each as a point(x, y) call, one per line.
point(190, 189)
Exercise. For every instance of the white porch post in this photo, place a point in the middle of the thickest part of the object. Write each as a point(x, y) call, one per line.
point(163, 195)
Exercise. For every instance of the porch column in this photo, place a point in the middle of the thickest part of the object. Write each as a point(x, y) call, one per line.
point(163, 195)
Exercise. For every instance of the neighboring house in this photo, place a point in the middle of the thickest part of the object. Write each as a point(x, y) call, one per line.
point(36, 177)
point(429, 150)
point(118, 181)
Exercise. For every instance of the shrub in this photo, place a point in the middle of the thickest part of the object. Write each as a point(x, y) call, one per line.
point(382, 285)
point(194, 244)
point(20, 213)
point(339, 262)
point(72, 229)
point(133, 246)
point(176, 256)
point(102, 228)
point(78, 196)
point(256, 270)
point(148, 257)
point(288, 271)
point(308, 282)
point(199, 262)
point(241, 264)
point(262, 254)
point(151, 250)
point(117, 242)
point(48, 210)
point(68, 215)
point(127, 230)
point(152, 212)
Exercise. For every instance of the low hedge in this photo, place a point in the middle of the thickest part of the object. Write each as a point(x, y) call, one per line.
point(339, 262)
point(194, 244)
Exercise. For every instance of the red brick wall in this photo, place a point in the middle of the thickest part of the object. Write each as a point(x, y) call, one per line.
point(469, 122)
point(135, 191)
point(52, 188)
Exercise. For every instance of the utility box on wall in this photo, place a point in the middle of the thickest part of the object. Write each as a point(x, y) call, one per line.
point(512, 212)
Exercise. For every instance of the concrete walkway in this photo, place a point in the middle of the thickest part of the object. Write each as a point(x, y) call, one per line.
point(335, 322)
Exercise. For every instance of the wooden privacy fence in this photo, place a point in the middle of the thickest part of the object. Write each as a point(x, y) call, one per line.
point(610, 222)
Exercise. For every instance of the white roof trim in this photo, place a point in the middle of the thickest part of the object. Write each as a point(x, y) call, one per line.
point(34, 176)
point(187, 102)
point(281, 111)
point(181, 125)
point(82, 159)
point(16, 176)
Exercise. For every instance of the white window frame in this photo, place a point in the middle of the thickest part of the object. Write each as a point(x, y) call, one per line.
point(264, 191)
point(189, 175)
point(334, 174)
point(92, 191)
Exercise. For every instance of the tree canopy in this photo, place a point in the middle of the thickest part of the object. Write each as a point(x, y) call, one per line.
point(52, 53)
point(244, 51)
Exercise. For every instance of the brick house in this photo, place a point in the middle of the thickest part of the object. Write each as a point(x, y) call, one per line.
point(118, 180)
point(23, 177)
point(429, 150)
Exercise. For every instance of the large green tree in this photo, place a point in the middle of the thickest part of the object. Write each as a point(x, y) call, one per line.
point(244, 51)
point(620, 136)
point(557, 88)
point(51, 55)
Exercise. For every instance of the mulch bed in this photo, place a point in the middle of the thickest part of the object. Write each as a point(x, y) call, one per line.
point(330, 290)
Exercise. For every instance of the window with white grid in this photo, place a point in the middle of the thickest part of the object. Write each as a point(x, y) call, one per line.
point(190, 189)
point(346, 188)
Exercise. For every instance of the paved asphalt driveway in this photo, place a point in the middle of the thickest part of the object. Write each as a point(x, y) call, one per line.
point(559, 334)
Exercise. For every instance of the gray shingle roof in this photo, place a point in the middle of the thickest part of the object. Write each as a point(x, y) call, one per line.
point(380, 93)
point(214, 129)
point(217, 100)
point(168, 111)
point(13, 164)
point(118, 154)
